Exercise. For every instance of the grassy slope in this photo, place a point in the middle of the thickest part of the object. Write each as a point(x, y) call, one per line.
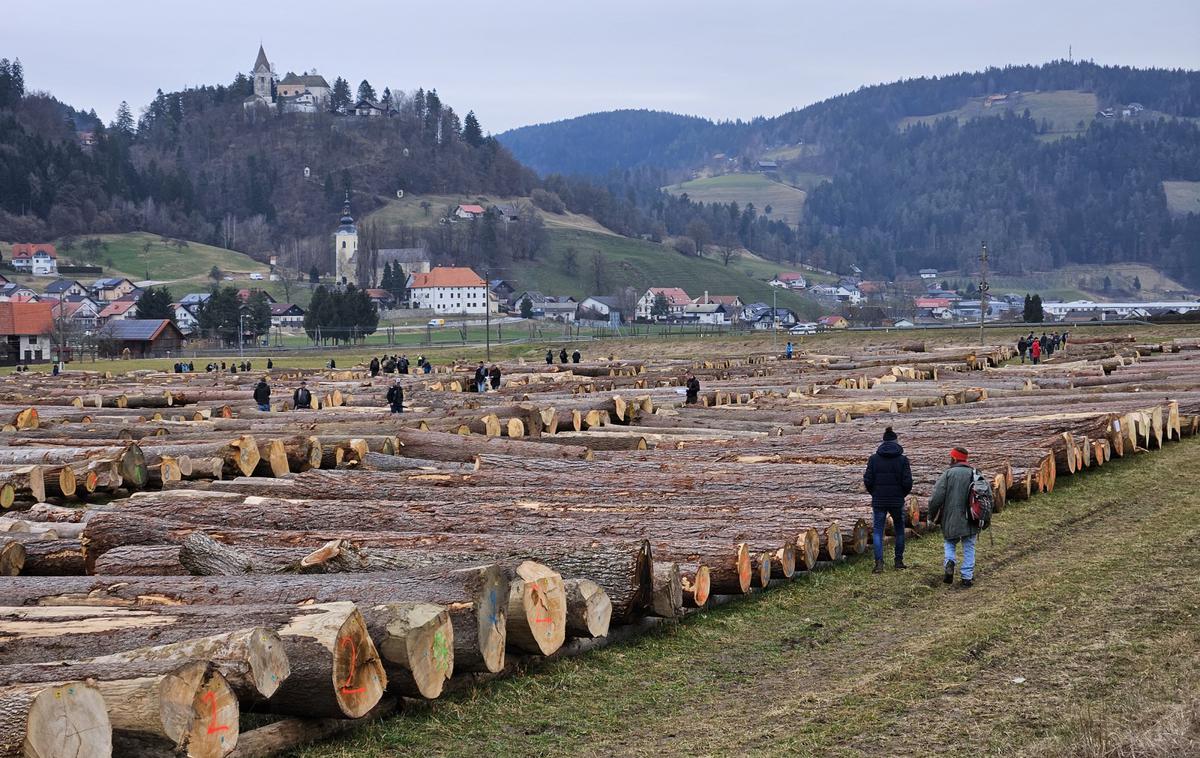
point(409, 211)
point(1064, 109)
point(786, 202)
point(166, 263)
point(1182, 197)
point(1080, 638)
point(1087, 281)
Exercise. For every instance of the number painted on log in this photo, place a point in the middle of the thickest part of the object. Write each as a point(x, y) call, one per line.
point(210, 697)
point(347, 686)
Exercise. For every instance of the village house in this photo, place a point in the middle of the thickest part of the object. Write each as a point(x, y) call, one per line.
point(245, 294)
point(677, 299)
point(112, 288)
point(557, 310)
point(706, 313)
point(928, 273)
point(63, 288)
point(380, 297)
point(765, 317)
point(792, 280)
point(118, 310)
point(25, 330)
point(833, 322)
point(448, 289)
point(411, 260)
point(508, 212)
point(140, 338)
point(468, 211)
point(11, 292)
point(187, 317)
point(38, 259)
point(599, 308)
point(83, 312)
point(287, 316)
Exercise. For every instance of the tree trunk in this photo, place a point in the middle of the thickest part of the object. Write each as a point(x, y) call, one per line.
point(537, 609)
point(589, 611)
point(62, 719)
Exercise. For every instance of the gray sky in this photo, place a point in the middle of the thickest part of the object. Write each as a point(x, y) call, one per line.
point(528, 61)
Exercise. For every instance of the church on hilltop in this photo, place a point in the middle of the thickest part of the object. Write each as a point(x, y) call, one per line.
point(294, 93)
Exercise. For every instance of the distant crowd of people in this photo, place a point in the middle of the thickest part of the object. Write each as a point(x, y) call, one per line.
point(574, 357)
point(1041, 347)
point(398, 364)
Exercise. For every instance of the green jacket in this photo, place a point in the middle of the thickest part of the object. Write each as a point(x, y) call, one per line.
point(948, 503)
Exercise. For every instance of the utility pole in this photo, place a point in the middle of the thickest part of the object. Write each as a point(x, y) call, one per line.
point(241, 332)
point(774, 320)
point(983, 287)
point(487, 311)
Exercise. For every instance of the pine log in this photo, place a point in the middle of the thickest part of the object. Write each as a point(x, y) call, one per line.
point(668, 589)
point(12, 556)
point(140, 560)
point(416, 645)
point(537, 609)
point(48, 557)
point(589, 611)
point(696, 584)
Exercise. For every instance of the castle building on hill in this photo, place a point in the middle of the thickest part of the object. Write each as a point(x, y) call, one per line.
point(345, 247)
point(295, 93)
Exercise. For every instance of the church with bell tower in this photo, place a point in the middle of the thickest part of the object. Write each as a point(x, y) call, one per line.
point(345, 247)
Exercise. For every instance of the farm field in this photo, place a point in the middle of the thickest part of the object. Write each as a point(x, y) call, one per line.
point(410, 210)
point(1063, 109)
point(1182, 197)
point(787, 202)
point(126, 256)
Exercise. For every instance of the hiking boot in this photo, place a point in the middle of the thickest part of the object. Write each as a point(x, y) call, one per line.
point(901, 565)
point(878, 568)
point(967, 583)
point(949, 577)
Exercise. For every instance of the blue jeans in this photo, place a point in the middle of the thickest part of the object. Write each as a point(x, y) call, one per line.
point(967, 568)
point(881, 514)
point(264, 406)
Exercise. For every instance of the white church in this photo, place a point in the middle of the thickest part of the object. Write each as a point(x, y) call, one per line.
point(345, 248)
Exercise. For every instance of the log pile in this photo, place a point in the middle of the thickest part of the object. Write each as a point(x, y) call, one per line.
point(170, 556)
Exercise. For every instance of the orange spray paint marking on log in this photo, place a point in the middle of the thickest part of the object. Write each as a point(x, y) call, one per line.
point(346, 688)
point(210, 697)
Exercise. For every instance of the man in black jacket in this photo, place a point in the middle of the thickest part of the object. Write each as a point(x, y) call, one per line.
point(302, 398)
point(262, 394)
point(889, 480)
point(395, 397)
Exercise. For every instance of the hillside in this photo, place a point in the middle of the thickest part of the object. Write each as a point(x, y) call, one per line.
point(163, 261)
point(1058, 113)
point(785, 201)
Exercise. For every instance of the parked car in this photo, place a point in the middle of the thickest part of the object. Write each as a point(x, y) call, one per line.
point(803, 328)
point(256, 276)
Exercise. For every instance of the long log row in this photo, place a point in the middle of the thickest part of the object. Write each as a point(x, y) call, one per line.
point(305, 562)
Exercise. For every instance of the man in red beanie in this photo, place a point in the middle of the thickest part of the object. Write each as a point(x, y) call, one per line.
point(948, 506)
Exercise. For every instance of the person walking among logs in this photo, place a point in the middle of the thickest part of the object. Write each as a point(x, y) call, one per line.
point(494, 376)
point(888, 479)
point(481, 378)
point(693, 389)
point(302, 398)
point(549, 357)
point(576, 356)
point(1035, 351)
point(948, 506)
point(374, 367)
point(262, 394)
point(1022, 347)
point(562, 355)
point(395, 397)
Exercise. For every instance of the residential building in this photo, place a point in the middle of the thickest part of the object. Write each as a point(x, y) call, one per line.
point(502, 289)
point(933, 307)
point(706, 313)
point(535, 297)
point(677, 299)
point(39, 259)
point(792, 280)
point(838, 293)
point(112, 288)
point(140, 338)
point(187, 317)
point(833, 322)
point(557, 310)
point(310, 83)
point(83, 312)
point(382, 298)
point(195, 298)
point(448, 289)
point(468, 211)
point(17, 293)
point(779, 318)
point(928, 273)
point(118, 310)
point(599, 308)
point(61, 288)
point(508, 212)
point(25, 330)
point(287, 316)
point(370, 109)
point(245, 294)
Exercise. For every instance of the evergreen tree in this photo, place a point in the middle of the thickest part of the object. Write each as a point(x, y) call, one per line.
point(339, 98)
point(472, 133)
point(366, 91)
point(385, 281)
point(1027, 310)
point(220, 315)
point(526, 307)
point(155, 303)
point(314, 275)
point(386, 99)
point(258, 315)
point(124, 123)
point(1137, 283)
point(216, 274)
point(316, 312)
point(661, 307)
point(1107, 283)
point(1037, 315)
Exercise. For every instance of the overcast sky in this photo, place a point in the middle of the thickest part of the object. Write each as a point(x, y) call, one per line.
point(519, 62)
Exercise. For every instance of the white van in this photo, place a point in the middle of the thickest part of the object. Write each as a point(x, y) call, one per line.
point(436, 322)
point(256, 277)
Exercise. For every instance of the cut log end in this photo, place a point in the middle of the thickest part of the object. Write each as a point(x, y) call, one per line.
point(420, 639)
point(697, 587)
point(537, 609)
point(589, 609)
point(358, 675)
point(64, 719)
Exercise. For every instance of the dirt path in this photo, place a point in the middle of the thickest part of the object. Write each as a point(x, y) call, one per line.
point(1082, 637)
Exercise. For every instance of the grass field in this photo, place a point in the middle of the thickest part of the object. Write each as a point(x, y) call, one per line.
point(126, 256)
point(1182, 197)
point(786, 202)
point(1087, 281)
point(1079, 639)
point(409, 210)
point(1064, 109)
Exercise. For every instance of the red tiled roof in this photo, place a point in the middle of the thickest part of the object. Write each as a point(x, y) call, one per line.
point(471, 208)
point(931, 302)
point(674, 295)
point(117, 308)
point(27, 249)
point(378, 294)
point(447, 276)
point(30, 319)
point(790, 276)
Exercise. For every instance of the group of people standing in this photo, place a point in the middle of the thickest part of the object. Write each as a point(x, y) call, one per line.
point(232, 368)
point(575, 357)
point(1041, 347)
point(487, 376)
point(888, 479)
point(398, 364)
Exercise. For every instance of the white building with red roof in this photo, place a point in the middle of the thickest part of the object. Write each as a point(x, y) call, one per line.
point(677, 300)
point(39, 259)
point(448, 289)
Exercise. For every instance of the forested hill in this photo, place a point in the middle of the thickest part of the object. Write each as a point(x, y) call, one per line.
point(914, 174)
point(195, 165)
